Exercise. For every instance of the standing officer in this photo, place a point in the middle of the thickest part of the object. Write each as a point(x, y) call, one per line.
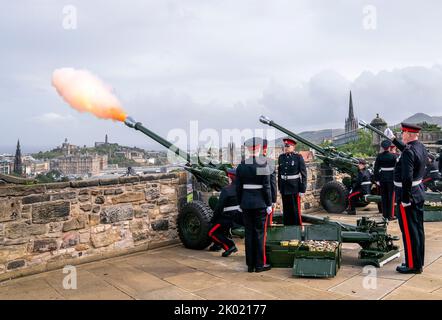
point(383, 175)
point(272, 172)
point(255, 199)
point(292, 182)
point(360, 188)
point(411, 168)
point(226, 212)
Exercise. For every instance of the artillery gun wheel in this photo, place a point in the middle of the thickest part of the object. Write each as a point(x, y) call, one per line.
point(334, 197)
point(194, 222)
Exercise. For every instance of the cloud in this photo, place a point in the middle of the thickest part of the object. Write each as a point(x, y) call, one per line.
point(52, 118)
point(222, 62)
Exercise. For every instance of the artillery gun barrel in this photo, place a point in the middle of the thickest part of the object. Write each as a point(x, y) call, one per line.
point(271, 123)
point(131, 123)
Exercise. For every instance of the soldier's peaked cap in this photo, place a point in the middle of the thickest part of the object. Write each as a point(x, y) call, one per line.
point(408, 127)
point(289, 140)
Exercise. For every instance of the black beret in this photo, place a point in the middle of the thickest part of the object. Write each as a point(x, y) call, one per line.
point(386, 144)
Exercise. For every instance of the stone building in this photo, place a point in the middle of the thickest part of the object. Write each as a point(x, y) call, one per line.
point(68, 148)
point(5, 166)
point(32, 167)
point(80, 164)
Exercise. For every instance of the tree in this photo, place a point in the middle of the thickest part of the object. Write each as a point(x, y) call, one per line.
point(362, 147)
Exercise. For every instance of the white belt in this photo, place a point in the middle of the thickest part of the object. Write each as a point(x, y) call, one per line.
point(365, 182)
point(387, 169)
point(413, 184)
point(434, 171)
point(231, 208)
point(290, 177)
point(252, 186)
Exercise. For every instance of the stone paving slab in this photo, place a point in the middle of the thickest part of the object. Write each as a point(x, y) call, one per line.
point(178, 273)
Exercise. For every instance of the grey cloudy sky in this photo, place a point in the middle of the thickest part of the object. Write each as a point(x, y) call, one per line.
point(221, 62)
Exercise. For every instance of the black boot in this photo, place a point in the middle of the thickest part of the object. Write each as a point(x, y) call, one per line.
point(250, 269)
point(229, 251)
point(351, 212)
point(265, 267)
point(406, 270)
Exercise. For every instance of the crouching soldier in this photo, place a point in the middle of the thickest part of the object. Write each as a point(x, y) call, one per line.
point(432, 174)
point(226, 212)
point(361, 187)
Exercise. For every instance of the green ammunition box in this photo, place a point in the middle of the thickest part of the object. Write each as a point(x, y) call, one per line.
point(281, 256)
point(315, 268)
point(318, 263)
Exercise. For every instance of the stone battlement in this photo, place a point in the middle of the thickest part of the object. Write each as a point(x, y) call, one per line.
point(48, 226)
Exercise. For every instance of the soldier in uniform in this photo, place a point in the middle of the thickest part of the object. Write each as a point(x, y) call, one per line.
point(255, 199)
point(432, 173)
point(226, 212)
point(410, 190)
point(272, 171)
point(292, 182)
point(383, 175)
point(361, 187)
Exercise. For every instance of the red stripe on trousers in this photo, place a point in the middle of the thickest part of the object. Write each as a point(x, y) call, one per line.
point(213, 229)
point(426, 180)
point(215, 238)
point(407, 237)
point(222, 243)
point(299, 209)
point(265, 239)
point(353, 194)
point(393, 204)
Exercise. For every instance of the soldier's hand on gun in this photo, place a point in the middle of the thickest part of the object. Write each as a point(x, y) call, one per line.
point(301, 194)
point(269, 210)
point(406, 204)
point(389, 133)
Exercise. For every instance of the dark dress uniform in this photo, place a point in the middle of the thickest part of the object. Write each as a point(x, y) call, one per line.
point(226, 212)
point(253, 190)
point(292, 180)
point(409, 189)
point(383, 174)
point(360, 188)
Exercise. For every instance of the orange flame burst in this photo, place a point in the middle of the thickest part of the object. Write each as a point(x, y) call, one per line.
point(87, 93)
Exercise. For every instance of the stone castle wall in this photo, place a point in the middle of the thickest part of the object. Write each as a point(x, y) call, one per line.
point(45, 227)
point(48, 226)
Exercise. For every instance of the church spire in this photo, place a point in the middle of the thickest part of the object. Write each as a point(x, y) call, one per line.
point(351, 123)
point(18, 169)
point(351, 114)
